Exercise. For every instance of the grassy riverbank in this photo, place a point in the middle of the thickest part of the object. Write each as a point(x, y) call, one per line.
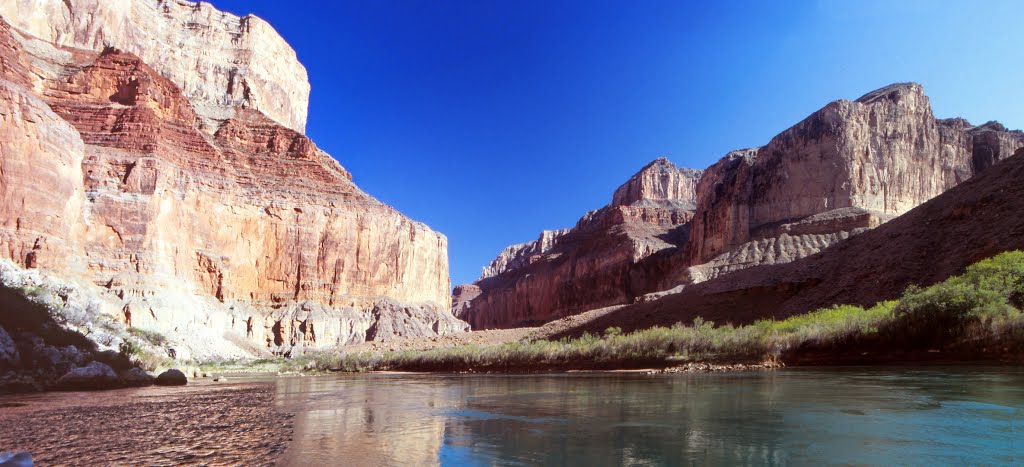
point(974, 315)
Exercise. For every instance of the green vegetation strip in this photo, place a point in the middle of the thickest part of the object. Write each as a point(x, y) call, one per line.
point(982, 307)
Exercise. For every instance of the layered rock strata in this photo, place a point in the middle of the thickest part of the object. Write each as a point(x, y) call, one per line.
point(228, 231)
point(220, 61)
point(884, 153)
point(940, 238)
point(611, 256)
point(845, 169)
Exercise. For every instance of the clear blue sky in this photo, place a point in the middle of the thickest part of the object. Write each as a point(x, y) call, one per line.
point(491, 120)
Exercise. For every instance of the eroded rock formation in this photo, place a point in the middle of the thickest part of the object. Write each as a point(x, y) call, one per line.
point(845, 169)
point(884, 153)
point(611, 256)
point(659, 183)
point(940, 238)
point(219, 60)
point(201, 215)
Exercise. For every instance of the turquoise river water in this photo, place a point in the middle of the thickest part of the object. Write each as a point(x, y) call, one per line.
point(862, 416)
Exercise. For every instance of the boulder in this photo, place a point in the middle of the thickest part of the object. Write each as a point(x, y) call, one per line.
point(136, 377)
point(75, 356)
point(14, 382)
point(95, 375)
point(52, 355)
point(171, 378)
point(8, 351)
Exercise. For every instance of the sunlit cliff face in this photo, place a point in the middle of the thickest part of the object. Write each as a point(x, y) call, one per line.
point(212, 220)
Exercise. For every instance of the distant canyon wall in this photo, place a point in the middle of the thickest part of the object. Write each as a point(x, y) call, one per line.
point(884, 153)
point(611, 256)
point(843, 170)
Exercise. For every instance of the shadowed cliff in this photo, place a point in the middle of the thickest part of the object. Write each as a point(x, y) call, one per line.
point(974, 220)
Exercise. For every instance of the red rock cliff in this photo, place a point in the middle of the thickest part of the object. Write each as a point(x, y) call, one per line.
point(611, 256)
point(882, 154)
point(232, 235)
point(845, 169)
point(220, 61)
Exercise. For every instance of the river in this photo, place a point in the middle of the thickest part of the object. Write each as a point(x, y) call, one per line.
point(880, 416)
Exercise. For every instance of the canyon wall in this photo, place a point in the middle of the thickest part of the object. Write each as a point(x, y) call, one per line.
point(611, 256)
point(659, 183)
point(845, 169)
point(940, 238)
point(230, 232)
point(884, 153)
point(220, 61)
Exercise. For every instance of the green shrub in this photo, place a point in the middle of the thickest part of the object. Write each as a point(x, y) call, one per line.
point(985, 299)
point(33, 291)
point(152, 337)
point(146, 358)
point(613, 331)
point(1002, 274)
point(988, 290)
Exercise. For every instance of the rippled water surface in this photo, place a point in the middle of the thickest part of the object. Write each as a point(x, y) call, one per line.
point(880, 416)
point(884, 416)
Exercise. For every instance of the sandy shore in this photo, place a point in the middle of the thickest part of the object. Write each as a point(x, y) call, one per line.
point(201, 424)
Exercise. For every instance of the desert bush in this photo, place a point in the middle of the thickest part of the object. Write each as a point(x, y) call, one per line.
point(989, 292)
point(144, 356)
point(985, 299)
point(153, 337)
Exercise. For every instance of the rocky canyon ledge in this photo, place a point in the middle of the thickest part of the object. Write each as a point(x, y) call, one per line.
point(156, 181)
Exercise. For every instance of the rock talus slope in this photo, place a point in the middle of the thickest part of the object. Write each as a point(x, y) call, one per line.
point(231, 232)
point(845, 169)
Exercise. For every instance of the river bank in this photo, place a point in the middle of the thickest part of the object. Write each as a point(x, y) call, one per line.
point(972, 317)
point(968, 318)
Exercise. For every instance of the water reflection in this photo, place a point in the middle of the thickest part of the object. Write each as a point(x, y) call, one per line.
point(615, 419)
point(861, 416)
point(365, 420)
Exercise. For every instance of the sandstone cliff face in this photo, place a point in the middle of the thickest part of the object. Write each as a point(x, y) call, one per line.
point(220, 61)
point(41, 211)
point(229, 232)
point(845, 169)
point(462, 298)
point(611, 256)
point(883, 153)
point(659, 182)
point(972, 221)
point(521, 254)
